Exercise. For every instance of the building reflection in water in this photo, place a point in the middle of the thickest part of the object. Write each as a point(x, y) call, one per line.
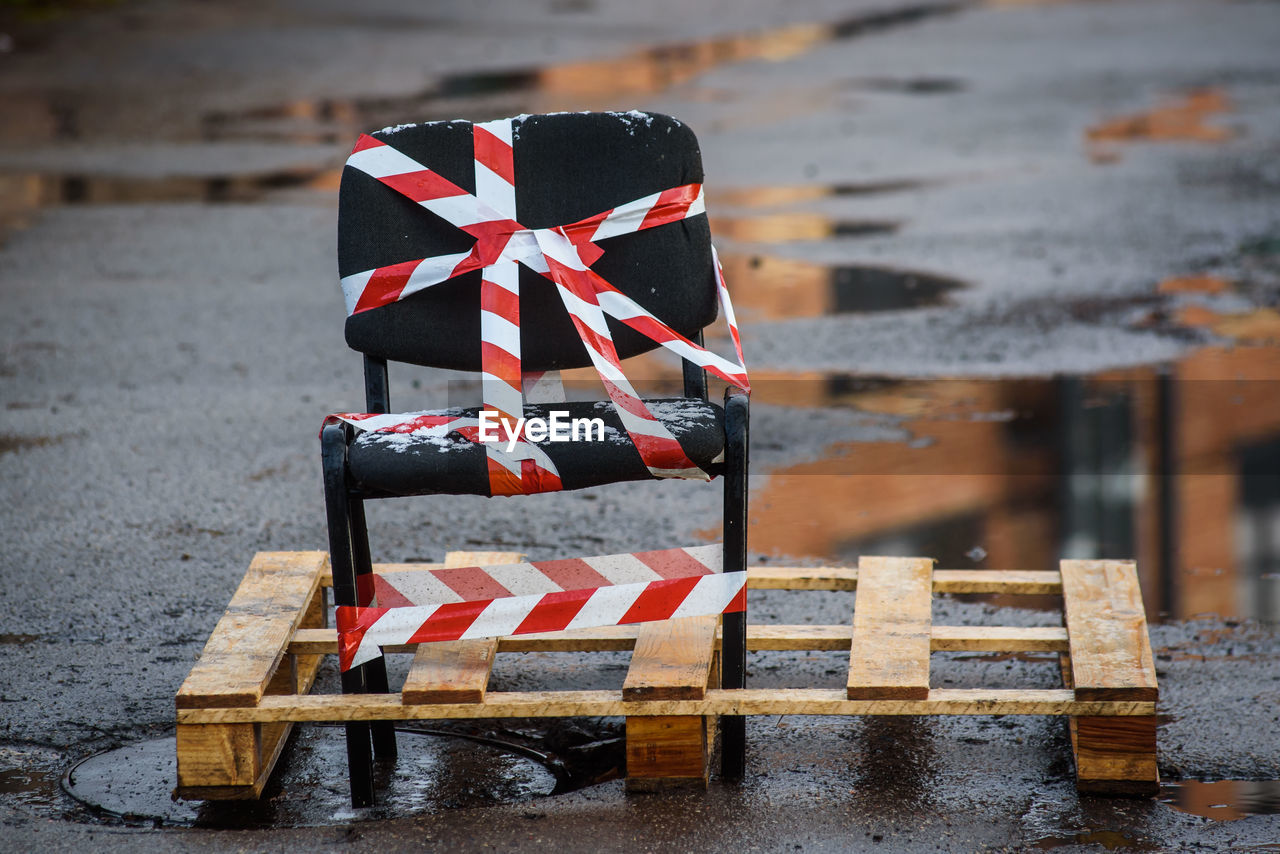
point(592, 84)
point(1177, 467)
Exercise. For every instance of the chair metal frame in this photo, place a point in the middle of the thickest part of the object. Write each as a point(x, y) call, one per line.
point(350, 558)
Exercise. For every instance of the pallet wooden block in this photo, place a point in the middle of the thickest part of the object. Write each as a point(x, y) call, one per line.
point(671, 660)
point(254, 679)
point(1110, 659)
point(245, 660)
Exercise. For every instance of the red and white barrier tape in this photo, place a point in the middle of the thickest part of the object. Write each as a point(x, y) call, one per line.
point(564, 255)
point(546, 596)
point(500, 375)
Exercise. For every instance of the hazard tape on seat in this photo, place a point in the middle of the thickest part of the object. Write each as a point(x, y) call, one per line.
point(564, 254)
point(422, 606)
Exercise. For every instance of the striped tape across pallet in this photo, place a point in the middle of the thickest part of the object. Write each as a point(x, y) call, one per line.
point(422, 606)
point(563, 254)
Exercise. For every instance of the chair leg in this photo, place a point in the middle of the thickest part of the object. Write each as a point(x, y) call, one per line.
point(333, 450)
point(375, 672)
point(733, 649)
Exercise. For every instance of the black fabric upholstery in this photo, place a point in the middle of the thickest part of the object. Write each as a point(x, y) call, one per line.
point(568, 167)
point(395, 464)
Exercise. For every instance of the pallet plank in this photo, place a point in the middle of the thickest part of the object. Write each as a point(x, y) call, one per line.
point(892, 620)
point(450, 672)
point(672, 660)
point(248, 642)
point(759, 638)
point(746, 701)
point(1022, 582)
point(802, 578)
point(999, 638)
point(1015, 581)
point(455, 671)
point(1107, 631)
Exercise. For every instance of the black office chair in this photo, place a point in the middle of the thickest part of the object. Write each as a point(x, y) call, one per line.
point(567, 168)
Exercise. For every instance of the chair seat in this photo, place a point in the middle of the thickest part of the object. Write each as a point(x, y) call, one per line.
point(428, 463)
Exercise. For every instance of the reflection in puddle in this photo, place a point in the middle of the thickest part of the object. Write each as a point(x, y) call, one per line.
point(29, 777)
point(1180, 470)
point(593, 84)
point(10, 444)
point(1184, 118)
point(35, 191)
point(596, 84)
point(784, 195)
point(433, 772)
point(770, 288)
point(796, 226)
point(1201, 284)
point(1224, 800)
point(31, 118)
point(1109, 840)
point(857, 289)
point(1261, 326)
point(909, 85)
point(23, 195)
point(41, 117)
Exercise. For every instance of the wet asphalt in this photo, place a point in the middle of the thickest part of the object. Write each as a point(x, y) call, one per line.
point(172, 336)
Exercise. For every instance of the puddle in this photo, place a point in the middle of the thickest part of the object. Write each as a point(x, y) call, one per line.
point(1261, 326)
point(29, 777)
point(772, 288)
point(1179, 469)
point(23, 195)
point(1201, 284)
point(17, 639)
point(596, 84)
point(11, 444)
point(436, 770)
point(1182, 118)
point(1110, 840)
point(1223, 800)
point(593, 84)
point(784, 195)
point(99, 189)
point(909, 85)
point(795, 226)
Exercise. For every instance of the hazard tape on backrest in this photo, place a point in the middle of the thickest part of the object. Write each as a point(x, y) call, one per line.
point(563, 254)
point(422, 606)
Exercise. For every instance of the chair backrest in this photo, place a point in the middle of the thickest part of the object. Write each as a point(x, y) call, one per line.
point(568, 166)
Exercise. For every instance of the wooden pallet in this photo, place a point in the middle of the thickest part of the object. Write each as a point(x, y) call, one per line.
point(253, 680)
